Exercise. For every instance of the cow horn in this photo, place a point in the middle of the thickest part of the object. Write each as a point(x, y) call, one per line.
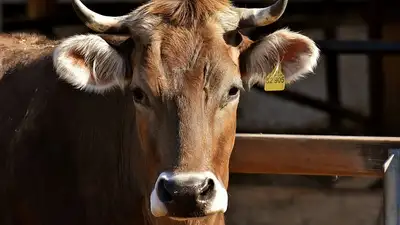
point(261, 16)
point(95, 21)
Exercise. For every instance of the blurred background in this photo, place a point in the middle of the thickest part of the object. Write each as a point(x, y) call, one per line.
point(354, 91)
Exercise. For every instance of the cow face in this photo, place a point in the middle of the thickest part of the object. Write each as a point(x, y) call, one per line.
point(185, 67)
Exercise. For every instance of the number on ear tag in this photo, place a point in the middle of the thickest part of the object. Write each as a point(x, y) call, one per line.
point(275, 81)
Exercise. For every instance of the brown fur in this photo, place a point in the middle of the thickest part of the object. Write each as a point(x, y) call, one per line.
point(58, 167)
point(80, 163)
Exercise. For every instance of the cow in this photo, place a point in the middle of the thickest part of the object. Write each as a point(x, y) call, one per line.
point(137, 126)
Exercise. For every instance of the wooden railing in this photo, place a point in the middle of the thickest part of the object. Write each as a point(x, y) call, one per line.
point(324, 155)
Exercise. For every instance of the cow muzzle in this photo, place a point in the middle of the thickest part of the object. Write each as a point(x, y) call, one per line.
point(188, 195)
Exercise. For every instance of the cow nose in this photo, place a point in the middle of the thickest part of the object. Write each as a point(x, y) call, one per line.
point(194, 190)
point(188, 195)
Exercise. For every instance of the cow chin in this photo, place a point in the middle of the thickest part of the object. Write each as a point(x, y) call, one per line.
point(186, 196)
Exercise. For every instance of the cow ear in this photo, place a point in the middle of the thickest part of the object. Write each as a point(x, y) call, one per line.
point(90, 63)
point(295, 54)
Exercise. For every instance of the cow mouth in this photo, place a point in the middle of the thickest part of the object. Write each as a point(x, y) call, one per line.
point(187, 216)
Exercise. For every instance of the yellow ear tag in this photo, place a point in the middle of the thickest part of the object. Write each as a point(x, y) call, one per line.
point(275, 81)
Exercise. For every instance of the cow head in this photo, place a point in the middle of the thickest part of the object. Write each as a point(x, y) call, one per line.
point(185, 63)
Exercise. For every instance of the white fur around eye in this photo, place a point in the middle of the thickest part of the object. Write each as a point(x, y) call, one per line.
point(103, 68)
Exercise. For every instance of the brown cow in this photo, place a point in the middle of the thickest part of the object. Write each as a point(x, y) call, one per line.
point(134, 129)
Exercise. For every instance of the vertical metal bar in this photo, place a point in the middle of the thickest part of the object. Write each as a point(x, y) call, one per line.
point(375, 63)
point(332, 71)
point(391, 178)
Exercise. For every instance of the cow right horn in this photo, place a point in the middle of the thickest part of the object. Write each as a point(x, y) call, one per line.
point(95, 21)
point(261, 16)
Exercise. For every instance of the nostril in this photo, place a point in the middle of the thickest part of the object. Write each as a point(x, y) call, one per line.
point(162, 191)
point(207, 189)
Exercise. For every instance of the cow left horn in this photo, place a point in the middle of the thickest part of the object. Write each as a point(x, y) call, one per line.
point(261, 16)
point(95, 21)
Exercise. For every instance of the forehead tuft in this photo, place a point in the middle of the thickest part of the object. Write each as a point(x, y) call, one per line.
point(187, 13)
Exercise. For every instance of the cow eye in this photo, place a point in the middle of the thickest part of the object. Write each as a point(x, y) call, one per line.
point(139, 96)
point(232, 94)
point(233, 91)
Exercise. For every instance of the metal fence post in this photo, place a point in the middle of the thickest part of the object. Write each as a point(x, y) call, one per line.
point(392, 188)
